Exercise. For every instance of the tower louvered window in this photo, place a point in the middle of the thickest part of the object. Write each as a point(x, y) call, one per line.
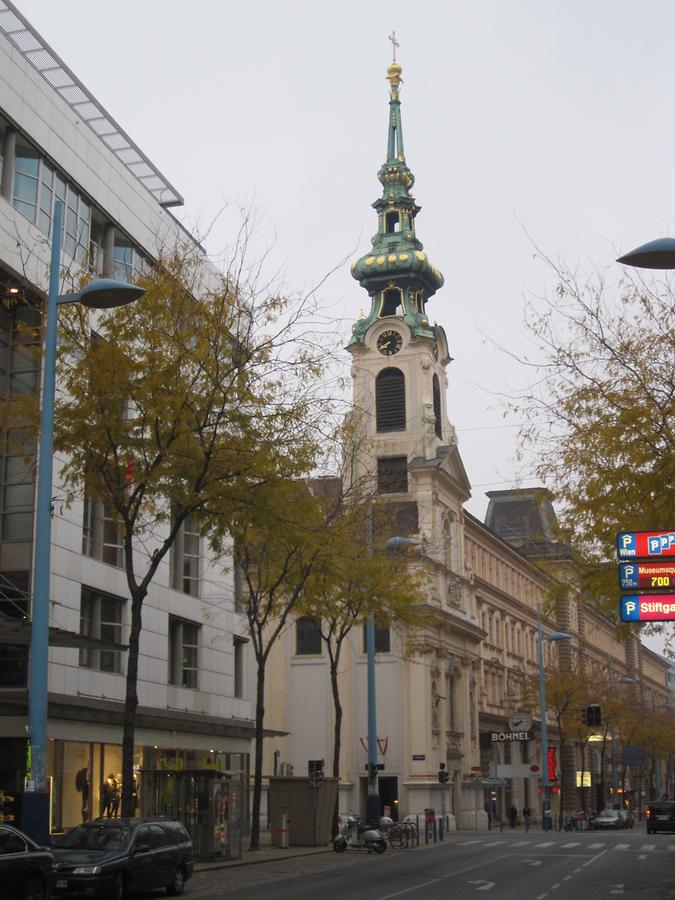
point(437, 406)
point(390, 400)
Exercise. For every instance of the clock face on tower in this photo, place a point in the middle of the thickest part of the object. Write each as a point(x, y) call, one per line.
point(389, 342)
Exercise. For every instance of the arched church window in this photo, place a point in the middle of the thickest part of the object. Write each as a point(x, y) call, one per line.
point(390, 400)
point(437, 407)
point(392, 302)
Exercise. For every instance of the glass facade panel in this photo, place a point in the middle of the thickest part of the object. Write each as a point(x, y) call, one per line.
point(14, 604)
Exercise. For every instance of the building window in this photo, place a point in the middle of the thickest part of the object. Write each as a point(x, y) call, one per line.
point(101, 620)
point(238, 644)
point(128, 263)
point(101, 533)
point(382, 638)
point(390, 400)
point(392, 474)
point(14, 608)
point(19, 348)
point(238, 579)
point(183, 653)
point(307, 637)
point(437, 406)
point(185, 558)
point(37, 186)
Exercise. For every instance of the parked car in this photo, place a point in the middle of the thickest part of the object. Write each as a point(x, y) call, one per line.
point(660, 815)
point(608, 818)
point(112, 856)
point(26, 869)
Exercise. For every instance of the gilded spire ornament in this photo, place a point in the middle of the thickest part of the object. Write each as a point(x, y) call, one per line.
point(396, 267)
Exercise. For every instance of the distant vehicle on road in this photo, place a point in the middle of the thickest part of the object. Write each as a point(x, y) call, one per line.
point(26, 869)
point(110, 857)
point(608, 818)
point(660, 815)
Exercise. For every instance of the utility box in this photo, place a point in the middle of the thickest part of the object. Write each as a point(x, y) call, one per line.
point(309, 809)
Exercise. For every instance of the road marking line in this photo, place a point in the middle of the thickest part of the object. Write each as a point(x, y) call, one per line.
point(622, 846)
point(555, 886)
point(521, 844)
point(545, 844)
point(407, 890)
point(466, 843)
point(648, 847)
point(596, 846)
point(573, 844)
point(495, 843)
point(416, 887)
point(670, 847)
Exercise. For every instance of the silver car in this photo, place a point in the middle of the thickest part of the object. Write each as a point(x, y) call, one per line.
point(608, 818)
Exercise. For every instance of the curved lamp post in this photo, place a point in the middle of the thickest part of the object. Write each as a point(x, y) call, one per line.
point(103, 293)
point(658, 254)
point(556, 636)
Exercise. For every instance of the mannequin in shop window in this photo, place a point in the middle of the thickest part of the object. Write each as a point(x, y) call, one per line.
point(111, 797)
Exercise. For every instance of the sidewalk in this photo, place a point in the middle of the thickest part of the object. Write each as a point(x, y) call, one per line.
point(266, 853)
point(270, 853)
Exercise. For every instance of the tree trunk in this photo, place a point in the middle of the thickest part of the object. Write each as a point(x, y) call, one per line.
point(337, 742)
point(337, 728)
point(258, 764)
point(130, 705)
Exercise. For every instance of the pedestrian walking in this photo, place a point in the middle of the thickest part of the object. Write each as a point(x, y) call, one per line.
point(526, 818)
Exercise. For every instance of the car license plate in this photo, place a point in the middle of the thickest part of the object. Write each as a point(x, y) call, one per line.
point(61, 883)
point(663, 818)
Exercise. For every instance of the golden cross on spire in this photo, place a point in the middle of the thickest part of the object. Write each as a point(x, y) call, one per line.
point(394, 44)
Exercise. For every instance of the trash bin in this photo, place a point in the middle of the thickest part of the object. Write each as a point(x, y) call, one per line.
point(285, 832)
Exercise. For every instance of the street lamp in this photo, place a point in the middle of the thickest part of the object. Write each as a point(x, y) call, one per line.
point(556, 636)
point(103, 293)
point(658, 254)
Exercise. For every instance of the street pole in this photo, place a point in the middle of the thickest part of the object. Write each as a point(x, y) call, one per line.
point(35, 811)
point(373, 797)
point(547, 819)
point(98, 294)
point(546, 806)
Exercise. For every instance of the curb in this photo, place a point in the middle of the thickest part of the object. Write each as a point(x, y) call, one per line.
point(272, 857)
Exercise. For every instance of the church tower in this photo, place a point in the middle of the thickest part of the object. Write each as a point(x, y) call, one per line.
point(399, 357)
point(410, 456)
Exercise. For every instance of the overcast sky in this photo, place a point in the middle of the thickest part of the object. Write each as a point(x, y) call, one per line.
point(553, 119)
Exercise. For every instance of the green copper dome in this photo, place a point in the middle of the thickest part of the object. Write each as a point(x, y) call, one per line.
point(397, 274)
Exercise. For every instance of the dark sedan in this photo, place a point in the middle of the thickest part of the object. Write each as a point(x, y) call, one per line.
point(108, 857)
point(26, 869)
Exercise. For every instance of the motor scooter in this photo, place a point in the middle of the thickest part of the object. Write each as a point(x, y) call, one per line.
point(360, 837)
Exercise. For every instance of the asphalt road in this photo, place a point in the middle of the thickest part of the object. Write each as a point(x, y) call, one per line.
point(508, 866)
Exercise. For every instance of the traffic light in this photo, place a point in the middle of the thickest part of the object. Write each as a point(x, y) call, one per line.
point(592, 715)
point(443, 775)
